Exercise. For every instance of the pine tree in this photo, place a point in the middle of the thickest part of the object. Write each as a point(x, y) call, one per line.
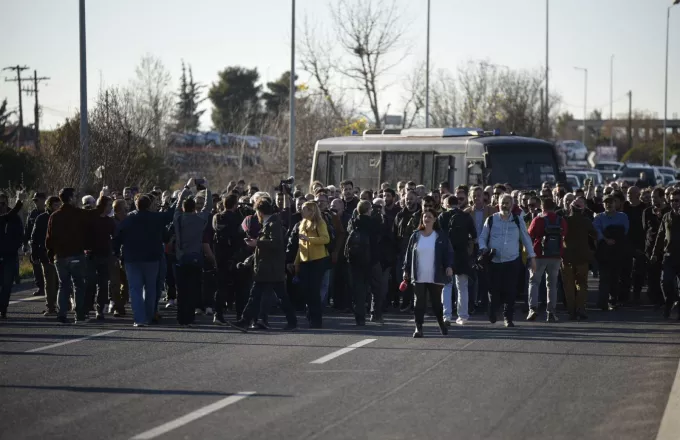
point(187, 115)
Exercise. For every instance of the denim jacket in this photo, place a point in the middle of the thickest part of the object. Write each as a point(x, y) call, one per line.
point(443, 258)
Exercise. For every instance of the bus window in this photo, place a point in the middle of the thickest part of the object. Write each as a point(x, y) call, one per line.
point(443, 169)
point(363, 169)
point(334, 170)
point(402, 166)
point(321, 166)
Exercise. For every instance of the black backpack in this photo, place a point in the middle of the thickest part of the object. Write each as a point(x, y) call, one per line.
point(457, 230)
point(330, 247)
point(551, 243)
point(358, 248)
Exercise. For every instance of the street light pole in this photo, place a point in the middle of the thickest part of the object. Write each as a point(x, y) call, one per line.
point(665, 103)
point(291, 98)
point(84, 129)
point(611, 101)
point(585, 100)
point(547, 69)
point(427, 71)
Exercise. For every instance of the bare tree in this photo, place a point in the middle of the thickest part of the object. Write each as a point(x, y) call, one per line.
point(414, 97)
point(153, 101)
point(370, 32)
point(444, 100)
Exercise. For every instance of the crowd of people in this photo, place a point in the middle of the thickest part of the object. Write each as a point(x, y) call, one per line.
point(241, 252)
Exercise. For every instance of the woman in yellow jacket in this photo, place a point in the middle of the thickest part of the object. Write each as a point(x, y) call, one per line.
point(312, 260)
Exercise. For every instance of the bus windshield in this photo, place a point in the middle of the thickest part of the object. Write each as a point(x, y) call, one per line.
point(525, 166)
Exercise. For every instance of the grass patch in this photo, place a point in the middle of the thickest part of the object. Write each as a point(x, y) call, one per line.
point(25, 267)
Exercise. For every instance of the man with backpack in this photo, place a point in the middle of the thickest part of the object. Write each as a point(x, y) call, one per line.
point(463, 236)
point(363, 256)
point(500, 242)
point(547, 233)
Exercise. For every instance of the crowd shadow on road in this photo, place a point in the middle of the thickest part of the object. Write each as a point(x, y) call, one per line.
point(123, 390)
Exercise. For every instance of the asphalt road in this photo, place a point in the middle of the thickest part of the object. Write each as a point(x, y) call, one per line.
point(607, 378)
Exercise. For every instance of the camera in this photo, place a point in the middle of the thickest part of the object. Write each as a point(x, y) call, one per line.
point(285, 186)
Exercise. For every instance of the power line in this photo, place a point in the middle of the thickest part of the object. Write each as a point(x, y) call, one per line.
point(18, 69)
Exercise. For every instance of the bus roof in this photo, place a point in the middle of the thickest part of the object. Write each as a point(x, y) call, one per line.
point(473, 146)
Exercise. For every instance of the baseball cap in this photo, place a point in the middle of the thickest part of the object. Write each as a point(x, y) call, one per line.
point(39, 196)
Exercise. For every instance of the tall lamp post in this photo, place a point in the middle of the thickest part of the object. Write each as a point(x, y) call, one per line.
point(84, 129)
point(291, 98)
point(585, 100)
point(427, 71)
point(611, 101)
point(665, 100)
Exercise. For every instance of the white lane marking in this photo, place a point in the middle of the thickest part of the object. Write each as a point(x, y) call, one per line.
point(72, 341)
point(201, 412)
point(670, 422)
point(31, 298)
point(328, 357)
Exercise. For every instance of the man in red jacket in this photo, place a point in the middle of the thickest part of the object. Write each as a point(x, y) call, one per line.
point(547, 233)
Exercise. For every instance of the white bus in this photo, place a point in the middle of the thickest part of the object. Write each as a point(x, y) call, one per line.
point(433, 155)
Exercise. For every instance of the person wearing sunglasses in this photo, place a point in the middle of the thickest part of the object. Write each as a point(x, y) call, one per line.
point(612, 229)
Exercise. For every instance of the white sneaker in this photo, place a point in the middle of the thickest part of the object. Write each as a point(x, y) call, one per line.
point(198, 312)
point(461, 321)
point(170, 304)
point(111, 306)
point(208, 311)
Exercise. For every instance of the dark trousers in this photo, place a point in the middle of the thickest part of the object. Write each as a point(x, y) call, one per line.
point(670, 273)
point(421, 291)
point(188, 292)
point(226, 283)
point(243, 287)
point(654, 293)
point(209, 288)
point(310, 275)
point(39, 276)
point(482, 287)
point(51, 285)
point(632, 275)
point(340, 291)
point(503, 288)
point(259, 290)
point(364, 282)
point(171, 286)
point(97, 283)
point(6, 280)
point(609, 283)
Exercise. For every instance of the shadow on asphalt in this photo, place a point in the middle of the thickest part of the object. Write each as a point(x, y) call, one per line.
point(119, 390)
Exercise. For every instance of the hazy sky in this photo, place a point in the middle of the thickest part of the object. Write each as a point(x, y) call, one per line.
point(213, 34)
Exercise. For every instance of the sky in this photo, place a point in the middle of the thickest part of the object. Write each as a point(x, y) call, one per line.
point(213, 34)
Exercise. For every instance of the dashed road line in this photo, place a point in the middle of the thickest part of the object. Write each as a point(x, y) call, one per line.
point(328, 357)
point(72, 341)
point(670, 423)
point(194, 415)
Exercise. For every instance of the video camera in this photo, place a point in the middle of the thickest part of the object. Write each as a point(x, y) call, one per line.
point(286, 186)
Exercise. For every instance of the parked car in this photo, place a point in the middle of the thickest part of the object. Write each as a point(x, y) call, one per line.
point(574, 180)
point(573, 150)
point(607, 165)
point(631, 174)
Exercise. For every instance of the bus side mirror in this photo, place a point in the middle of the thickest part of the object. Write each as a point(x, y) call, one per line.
point(487, 160)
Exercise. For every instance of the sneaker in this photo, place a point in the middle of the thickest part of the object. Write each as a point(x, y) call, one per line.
point(138, 325)
point(492, 318)
point(509, 323)
point(170, 304)
point(418, 333)
point(443, 329)
point(378, 320)
point(81, 321)
point(99, 316)
point(461, 321)
point(118, 313)
point(62, 320)
point(38, 293)
point(199, 312)
point(447, 322)
point(208, 311)
point(239, 325)
point(532, 315)
point(263, 325)
point(611, 307)
point(112, 306)
point(50, 312)
point(405, 308)
point(551, 317)
point(219, 320)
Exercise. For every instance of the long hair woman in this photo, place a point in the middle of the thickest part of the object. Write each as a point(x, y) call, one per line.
point(312, 260)
point(428, 266)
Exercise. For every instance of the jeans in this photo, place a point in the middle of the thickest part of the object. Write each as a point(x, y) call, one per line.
point(97, 282)
point(39, 276)
point(462, 293)
point(254, 301)
point(188, 279)
point(325, 285)
point(51, 285)
point(7, 274)
point(550, 267)
point(142, 278)
point(72, 272)
point(311, 275)
point(421, 291)
point(503, 288)
point(575, 280)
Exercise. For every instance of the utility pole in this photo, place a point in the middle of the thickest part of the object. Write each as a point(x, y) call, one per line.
point(18, 69)
point(291, 98)
point(84, 128)
point(611, 101)
point(36, 108)
point(665, 96)
point(427, 71)
point(630, 119)
point(547, 69)
point(585, 100)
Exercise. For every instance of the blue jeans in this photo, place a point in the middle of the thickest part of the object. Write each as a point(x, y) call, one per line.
point(142, 278)
point(72, 273)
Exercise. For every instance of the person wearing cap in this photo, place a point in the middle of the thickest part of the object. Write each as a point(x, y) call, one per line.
point(575, 258)
point(612, 228)
point(39, 202)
